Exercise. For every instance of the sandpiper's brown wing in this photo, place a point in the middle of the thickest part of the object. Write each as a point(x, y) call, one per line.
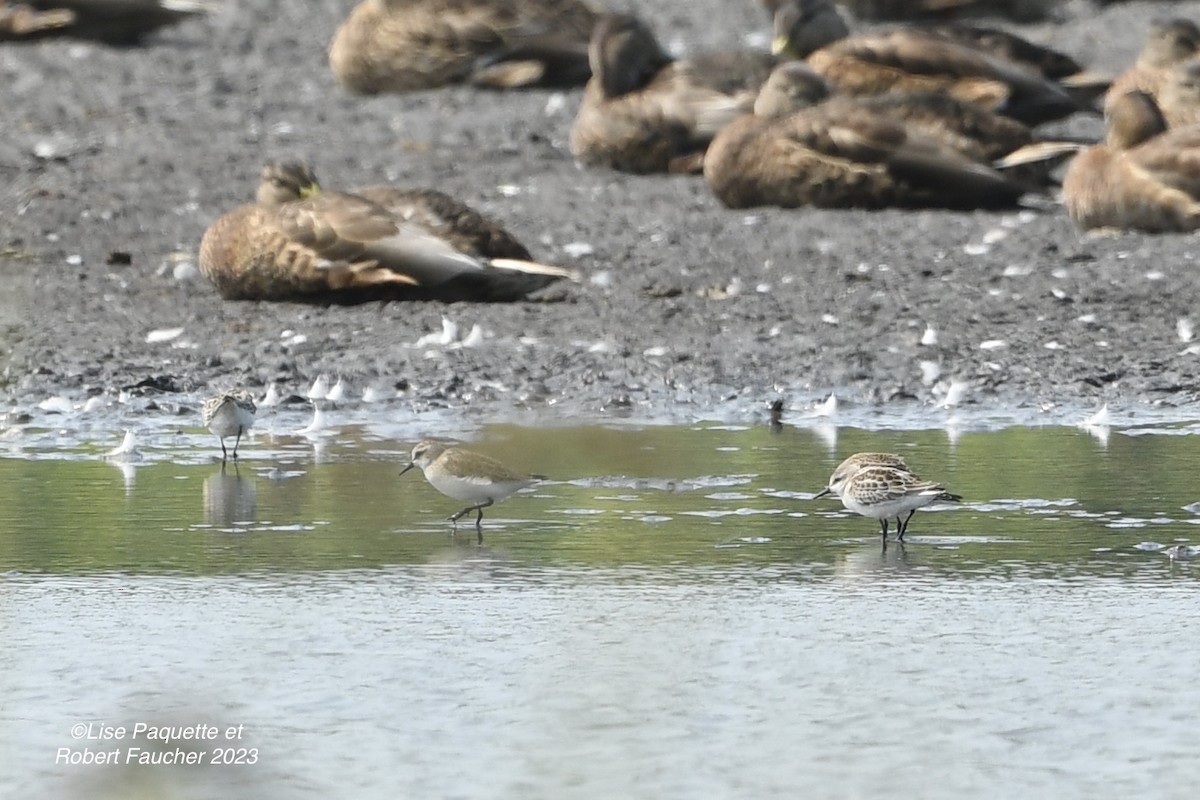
point(396, 47)
point(465, 228)
point(468, 463)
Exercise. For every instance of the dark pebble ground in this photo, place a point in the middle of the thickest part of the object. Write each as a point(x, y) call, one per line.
point(114, 161)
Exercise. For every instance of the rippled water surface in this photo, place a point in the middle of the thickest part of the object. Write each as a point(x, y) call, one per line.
point(668, 615)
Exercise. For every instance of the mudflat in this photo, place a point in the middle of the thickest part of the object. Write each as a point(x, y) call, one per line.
point(115, 160)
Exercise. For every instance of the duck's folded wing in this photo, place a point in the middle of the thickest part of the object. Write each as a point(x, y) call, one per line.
point(917, 160)
point(1172, 159)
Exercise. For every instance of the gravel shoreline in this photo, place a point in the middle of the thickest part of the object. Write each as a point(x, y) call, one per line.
point(116, 160)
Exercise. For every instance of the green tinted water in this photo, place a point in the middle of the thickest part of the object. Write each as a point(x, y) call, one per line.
point(1051, 500)
point(668, 615)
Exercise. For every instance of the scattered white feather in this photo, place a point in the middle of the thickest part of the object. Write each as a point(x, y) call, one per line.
point(930, 372)
point(163, 335)
point(601, 346)
point(1052, 345)
point(320, 388)
point(372, 395)
point(448, 335)
point(508, 190)
point(1086, 319)
point(94, 403)
point(271, 398)
point(1099, 419)
point(930, 337)
point(185, 271)
point(1017, 271)
point(126, 451)
point(655, 352)
point(578, 249)
point(318, 421)
point(993, 344)
point(995, 235)
point(1155, 275)
point(56, 405)
point(338, 393)
point(976, 248)
point(555, 104)
point(828, 408)
point(1184, 329)
point(830, 319)
point(954, 394)
point(1190, 350)
point(474, 337)
point(75, 260)
point(603, 279)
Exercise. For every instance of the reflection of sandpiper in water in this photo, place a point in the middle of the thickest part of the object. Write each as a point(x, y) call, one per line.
point(880, 486)
point(1182, 552)
point(230, 498)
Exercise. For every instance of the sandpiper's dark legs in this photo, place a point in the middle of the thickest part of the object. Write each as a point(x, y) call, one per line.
point(236, 442)
point(224, 452)
point(903, 526)
point(478, 519)
point(883, 525)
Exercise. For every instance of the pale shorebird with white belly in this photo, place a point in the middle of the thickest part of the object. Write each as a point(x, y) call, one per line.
point(229, 414)
point(881, 486)
point(473, 478)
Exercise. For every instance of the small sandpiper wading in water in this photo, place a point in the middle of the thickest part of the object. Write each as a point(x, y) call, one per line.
point(881, 486)
point(467, 476)
point(230, 414)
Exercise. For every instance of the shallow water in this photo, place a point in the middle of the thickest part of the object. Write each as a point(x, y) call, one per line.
point(668, 615)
